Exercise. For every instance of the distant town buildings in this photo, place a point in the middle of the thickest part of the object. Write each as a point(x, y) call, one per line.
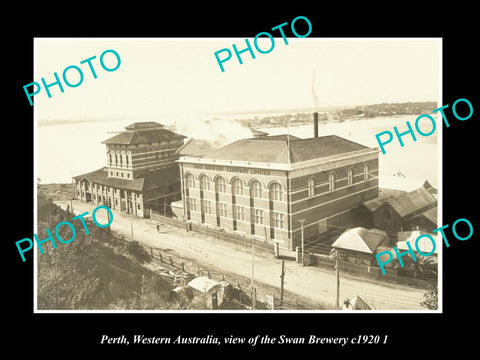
point(141, 172)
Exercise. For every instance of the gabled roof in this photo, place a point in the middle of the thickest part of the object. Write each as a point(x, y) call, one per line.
point(430, 215)
point(405, 204)
point(355, 303)
point(361, 240)
point(409, 203)
point(276, 149)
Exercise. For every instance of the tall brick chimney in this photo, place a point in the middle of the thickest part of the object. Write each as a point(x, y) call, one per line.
point(315, 124)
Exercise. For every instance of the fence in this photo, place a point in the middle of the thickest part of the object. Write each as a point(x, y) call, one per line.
point(155, 216)
point(365, 271)
point(241, 241)
point(241, 290)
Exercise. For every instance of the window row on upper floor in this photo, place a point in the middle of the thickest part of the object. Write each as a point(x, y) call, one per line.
point(332, 180)
point(276, 191)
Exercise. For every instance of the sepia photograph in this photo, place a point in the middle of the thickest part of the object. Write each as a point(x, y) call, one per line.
point(304, 179)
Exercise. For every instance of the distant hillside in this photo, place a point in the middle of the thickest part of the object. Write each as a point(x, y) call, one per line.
point(342, 113)
point(388, 109)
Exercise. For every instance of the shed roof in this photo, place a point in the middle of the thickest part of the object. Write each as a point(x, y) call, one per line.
point(203, 284)
point(404, 204)
point(430, 215)
point(143, 181)
point(409, 203)
point(360, 239)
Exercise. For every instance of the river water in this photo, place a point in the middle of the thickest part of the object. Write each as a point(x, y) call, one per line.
point(76, 148)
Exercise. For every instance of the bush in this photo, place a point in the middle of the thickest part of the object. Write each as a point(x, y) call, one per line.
point(138, 251)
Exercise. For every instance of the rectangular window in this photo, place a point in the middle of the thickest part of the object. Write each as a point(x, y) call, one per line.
point(239, 213)
point(331, 181)
point(207, 206)
point(311, 187)
point(278, 220)
point(138, 206)
point(258, 217)
point(193, 204)
point(223, 209)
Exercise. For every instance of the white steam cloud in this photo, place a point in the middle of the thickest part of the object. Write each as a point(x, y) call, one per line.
point(216, 131)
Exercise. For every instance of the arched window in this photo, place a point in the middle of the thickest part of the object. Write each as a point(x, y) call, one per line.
point(255, 189)
point(311, 187)
point(204, 182)
point(366, 172)
point(237, 187)
point(350, 176)
point(190, 181)
point(331, 181)
point(220, 185)
point(276, 192)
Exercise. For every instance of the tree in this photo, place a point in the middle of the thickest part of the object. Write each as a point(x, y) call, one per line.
point(430, 298)
point(422, 268)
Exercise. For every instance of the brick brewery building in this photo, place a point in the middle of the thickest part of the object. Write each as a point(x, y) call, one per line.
point(263, 187)
point(141, 172)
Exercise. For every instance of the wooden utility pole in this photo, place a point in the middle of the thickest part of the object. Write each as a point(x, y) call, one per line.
point(282, 277)
point(303, 240)
point(253, 259)
point(131, 226)
point(337, 302)
point(73, 194)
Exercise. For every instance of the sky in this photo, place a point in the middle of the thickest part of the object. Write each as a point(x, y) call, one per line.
point(159, 77)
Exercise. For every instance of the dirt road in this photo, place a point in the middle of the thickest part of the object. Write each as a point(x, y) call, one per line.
point(316, 284)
